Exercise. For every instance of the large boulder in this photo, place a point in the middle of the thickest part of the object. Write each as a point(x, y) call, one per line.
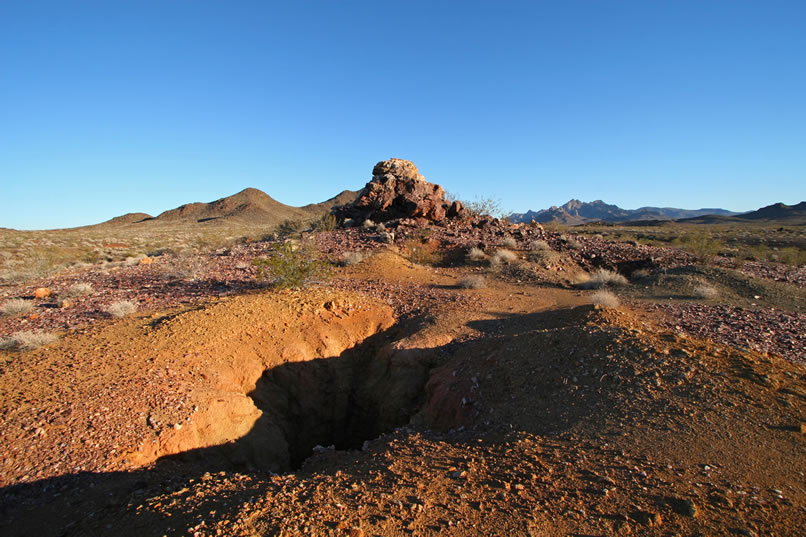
point(398, 190)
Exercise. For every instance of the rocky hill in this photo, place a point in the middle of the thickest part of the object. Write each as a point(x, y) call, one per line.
point(249, 207)
point(577, 212)
point(777, 213)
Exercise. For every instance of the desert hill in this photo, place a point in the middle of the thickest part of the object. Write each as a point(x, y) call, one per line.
point(248, 207)
point(777, 213)
point(577, 212)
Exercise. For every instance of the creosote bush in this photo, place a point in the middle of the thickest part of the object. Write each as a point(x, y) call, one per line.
point(27, 340)
point(121, 308)
point(16, 306)
point(509, 242)
point(422, 252)
point(603, 278)
point(605, 298)
point(328, 222)
point(472, 282)
point(291, 266)
point(290, 227)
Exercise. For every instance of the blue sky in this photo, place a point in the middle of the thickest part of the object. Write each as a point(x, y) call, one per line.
point(115, 107)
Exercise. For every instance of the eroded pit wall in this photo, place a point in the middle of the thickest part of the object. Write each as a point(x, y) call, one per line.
point(276, 375)
point(246, 350)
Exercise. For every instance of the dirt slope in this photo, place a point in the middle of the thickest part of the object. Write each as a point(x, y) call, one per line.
point(517, 410)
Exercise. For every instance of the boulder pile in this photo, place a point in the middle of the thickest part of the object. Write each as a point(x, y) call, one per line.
point(398, 191)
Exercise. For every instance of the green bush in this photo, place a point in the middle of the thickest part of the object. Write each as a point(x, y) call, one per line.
point(290, 227)
point(328, 222)
point(291, 266)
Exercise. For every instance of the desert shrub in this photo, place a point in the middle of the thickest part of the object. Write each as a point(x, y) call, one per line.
point(328, 222)
point(484, 207)
point(79, 289)
point(706, 292)
point(700, 244)
point(290, 227)
point(503, 257)
point(16, 306)
point(605, 298)
point(291, 266)
point(476, 255)
point(509, 242)
point(121, 308)
point(540, 251)
point(571, 242)
point(352, 258)
point(472, 282)
point(27, 340)
point(603, 278)
point(540, 246)
point(422, 252)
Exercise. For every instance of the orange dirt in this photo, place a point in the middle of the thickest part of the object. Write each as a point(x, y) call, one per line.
point(522, 411)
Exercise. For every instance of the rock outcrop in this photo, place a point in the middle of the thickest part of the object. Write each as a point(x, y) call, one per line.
point(397, 190)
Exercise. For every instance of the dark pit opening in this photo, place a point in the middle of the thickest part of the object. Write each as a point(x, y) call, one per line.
point(342, 401)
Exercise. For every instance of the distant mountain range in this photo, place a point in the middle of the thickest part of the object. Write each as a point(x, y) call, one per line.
point(248, 207)
point(577, 212)
point(252, 207)
point(777, 213)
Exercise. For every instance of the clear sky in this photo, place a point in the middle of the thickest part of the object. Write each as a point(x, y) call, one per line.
point(111, 107)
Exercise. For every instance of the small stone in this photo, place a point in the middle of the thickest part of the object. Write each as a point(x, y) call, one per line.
point(42, 292)
point(66, 304)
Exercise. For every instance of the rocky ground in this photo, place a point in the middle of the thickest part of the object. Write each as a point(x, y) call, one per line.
point(386, 399)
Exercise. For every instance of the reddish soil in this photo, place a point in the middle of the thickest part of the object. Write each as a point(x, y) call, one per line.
point(518, 409)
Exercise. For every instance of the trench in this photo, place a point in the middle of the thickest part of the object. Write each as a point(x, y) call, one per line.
point(343, 401)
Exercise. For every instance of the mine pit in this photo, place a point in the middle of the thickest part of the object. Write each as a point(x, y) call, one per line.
point(342, 401)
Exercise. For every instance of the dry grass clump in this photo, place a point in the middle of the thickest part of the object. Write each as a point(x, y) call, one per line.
point(121, 308)
point(503, 257)
point(352, 258)
point(605, 298)
point(79, 289)
point(603, 278)
point(16, 306)
point(540, 251)
point(476, 255)
point(706, 292)
point(368, 224)
point(472, 282)
point(571, 242)
point(509, 242)
point(27, 340)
